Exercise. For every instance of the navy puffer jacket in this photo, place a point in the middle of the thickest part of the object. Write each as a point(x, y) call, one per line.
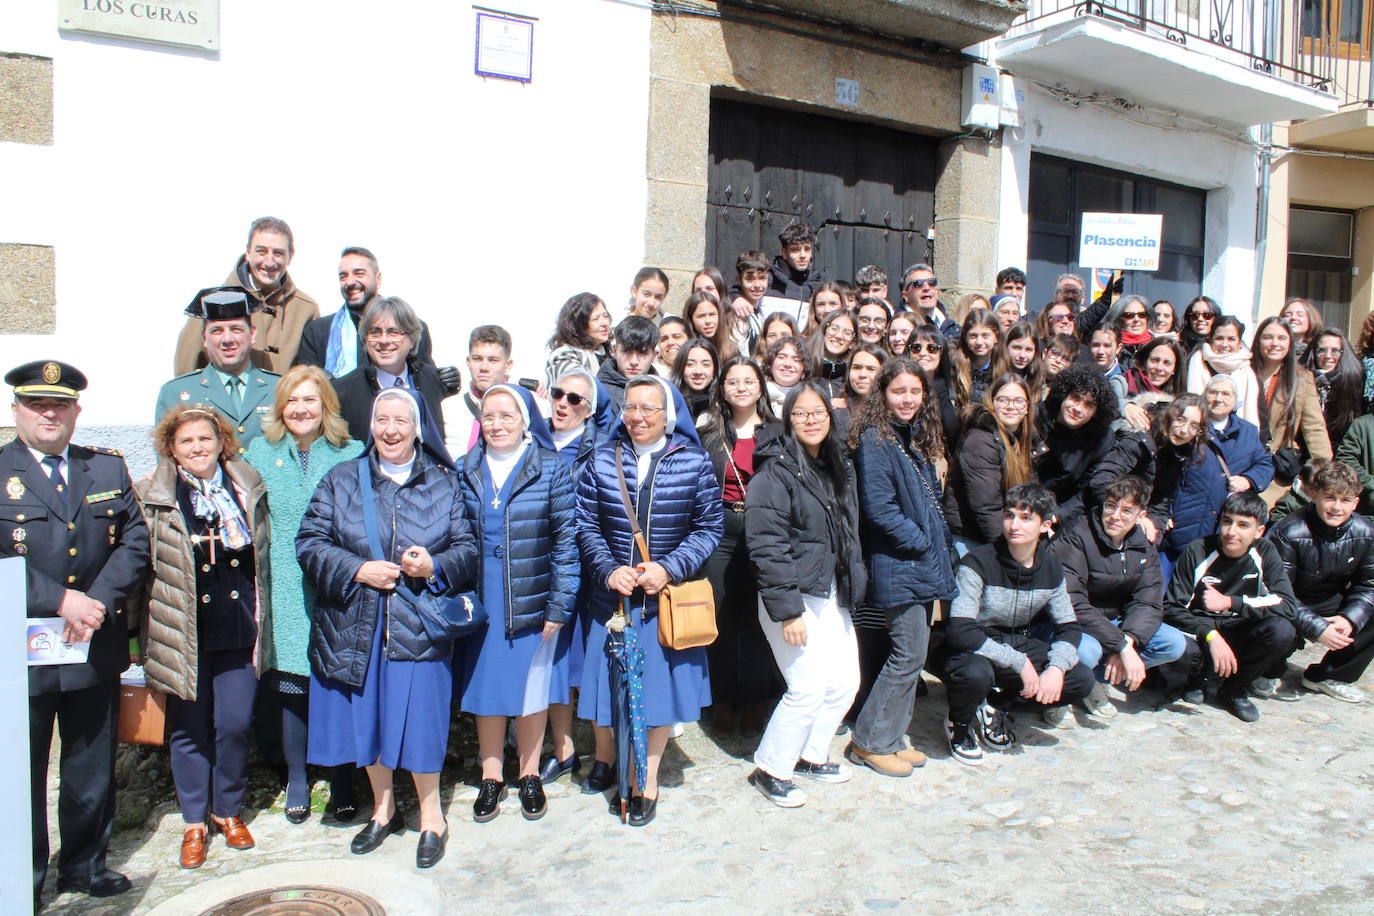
point(1202, 488)
point(540, 540)
point(906, 543)
point(686, 516)
point(332, 546)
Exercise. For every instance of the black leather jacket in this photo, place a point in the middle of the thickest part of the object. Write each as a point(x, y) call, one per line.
point(1332, 569)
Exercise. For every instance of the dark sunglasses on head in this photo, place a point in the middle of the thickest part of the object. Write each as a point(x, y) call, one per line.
point(557, 394)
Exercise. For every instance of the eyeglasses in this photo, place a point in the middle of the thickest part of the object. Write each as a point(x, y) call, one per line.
point(1129, 315)
point(871, 322)
point(927, 348)
point(927, 281)
point(388, 333)
point(1119, 510)
point(803, 416)
point(1187, 426)
point(1330, 351)
point(558, 394)
point(640, 410)
point(505, 419)
point(1010, 402)
point(745, 382)
point(838, 334)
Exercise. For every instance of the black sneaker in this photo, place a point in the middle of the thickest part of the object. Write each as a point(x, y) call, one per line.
point(1240, 706)
point(824, 772)
point(993, 728)
point(533, 804)
point(963, 744)
point(781, 792)
point(488, 804)
point(1264, 687)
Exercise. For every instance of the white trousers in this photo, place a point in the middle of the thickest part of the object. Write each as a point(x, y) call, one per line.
point(822, 679)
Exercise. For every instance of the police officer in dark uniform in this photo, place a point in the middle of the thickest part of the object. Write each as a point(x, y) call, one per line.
point(71, 513)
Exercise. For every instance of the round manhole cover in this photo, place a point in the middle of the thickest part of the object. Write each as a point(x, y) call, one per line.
point(299, 900)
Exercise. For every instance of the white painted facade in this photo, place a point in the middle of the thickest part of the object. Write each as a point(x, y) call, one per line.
point(1222, 163)
point(359, 123)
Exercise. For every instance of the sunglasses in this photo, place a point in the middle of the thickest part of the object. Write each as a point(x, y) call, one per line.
point(574, 399)
point(1134, 314)
point(928, 281)
point(927, 348)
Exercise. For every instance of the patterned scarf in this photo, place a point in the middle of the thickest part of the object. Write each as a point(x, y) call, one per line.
point(216, 505)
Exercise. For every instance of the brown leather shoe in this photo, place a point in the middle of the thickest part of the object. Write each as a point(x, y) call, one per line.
point(912, 756)
point(883, 764)
point(193, 847)
point(236, 835)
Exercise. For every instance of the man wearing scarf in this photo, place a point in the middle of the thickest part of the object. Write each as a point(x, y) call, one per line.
point(283, 310)
point(332, 342)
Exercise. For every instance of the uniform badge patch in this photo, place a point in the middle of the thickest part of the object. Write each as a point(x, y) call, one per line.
point(19, 535)
point(14, 488)
point(52, 372)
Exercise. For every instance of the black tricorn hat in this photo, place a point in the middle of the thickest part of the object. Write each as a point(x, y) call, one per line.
point(222, 303)
point(47, 378)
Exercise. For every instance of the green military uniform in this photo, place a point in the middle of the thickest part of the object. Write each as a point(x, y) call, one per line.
point(207, 388)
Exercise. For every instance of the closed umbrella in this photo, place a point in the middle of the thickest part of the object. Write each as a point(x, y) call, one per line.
point(626, 660)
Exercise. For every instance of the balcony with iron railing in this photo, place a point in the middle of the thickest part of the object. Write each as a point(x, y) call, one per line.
point(1334, 38)
point(1234, 62)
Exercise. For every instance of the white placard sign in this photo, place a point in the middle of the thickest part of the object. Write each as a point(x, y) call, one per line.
point(1121, 241)
point(505, 47)
point(193, 23)
point(16, 870)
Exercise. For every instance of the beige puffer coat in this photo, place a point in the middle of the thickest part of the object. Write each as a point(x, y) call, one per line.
point(168, 608)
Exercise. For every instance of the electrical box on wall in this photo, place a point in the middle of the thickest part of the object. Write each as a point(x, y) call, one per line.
point(982, 97)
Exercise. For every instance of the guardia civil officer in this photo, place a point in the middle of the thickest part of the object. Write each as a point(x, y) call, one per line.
point(70, 512)
point(230, 384)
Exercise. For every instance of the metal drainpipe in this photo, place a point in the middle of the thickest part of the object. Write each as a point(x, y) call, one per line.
point(1265, 158)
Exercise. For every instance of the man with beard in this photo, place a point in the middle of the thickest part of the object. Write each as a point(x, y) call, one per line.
point(332, 341)
point(229, 384)
point(283, 310)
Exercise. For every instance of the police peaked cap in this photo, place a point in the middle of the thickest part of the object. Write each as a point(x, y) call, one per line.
point(47, 378)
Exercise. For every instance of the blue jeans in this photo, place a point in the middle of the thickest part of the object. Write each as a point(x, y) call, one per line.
point(1165, 646)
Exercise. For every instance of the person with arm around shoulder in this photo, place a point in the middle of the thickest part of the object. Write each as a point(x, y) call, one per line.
point(304, 436)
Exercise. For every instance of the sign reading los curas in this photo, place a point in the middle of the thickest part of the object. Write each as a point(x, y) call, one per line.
point(1121, 241)
point(188, 23)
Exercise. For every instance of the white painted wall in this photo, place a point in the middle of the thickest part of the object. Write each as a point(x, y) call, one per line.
point(359, 123)
point(1218, 163)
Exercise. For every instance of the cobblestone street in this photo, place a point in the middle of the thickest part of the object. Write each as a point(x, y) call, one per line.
point(1185, 810)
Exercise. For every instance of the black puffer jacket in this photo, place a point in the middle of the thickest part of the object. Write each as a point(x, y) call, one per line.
point(1332, 569)
point(1078, 464)
point(973, 493)
point(1107, 582)
point(332, 545)
point(799, 537)
point(786, 282)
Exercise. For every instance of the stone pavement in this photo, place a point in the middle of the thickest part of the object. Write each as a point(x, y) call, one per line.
point(1184, 810)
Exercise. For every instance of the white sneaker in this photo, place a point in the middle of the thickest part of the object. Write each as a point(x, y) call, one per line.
point(678, 729)
point(1338, 689)
point(1098, 702)
point(1058, 716)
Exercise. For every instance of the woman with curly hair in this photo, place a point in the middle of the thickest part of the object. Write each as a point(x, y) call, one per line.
point(896, 437)
point(581, 338)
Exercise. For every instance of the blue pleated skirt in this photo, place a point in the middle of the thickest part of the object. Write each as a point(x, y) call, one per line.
point(398, 718)
point(676, 683)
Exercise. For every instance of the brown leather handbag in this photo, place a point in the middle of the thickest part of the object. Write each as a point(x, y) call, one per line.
point(686, 612)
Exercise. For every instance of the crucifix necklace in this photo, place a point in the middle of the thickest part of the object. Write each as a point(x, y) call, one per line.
point(496, 502)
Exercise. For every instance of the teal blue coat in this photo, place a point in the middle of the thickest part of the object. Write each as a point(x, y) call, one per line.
point(288, 493)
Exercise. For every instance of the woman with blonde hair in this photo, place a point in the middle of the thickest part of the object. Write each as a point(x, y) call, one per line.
point(303, 437)
point(204, 630)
